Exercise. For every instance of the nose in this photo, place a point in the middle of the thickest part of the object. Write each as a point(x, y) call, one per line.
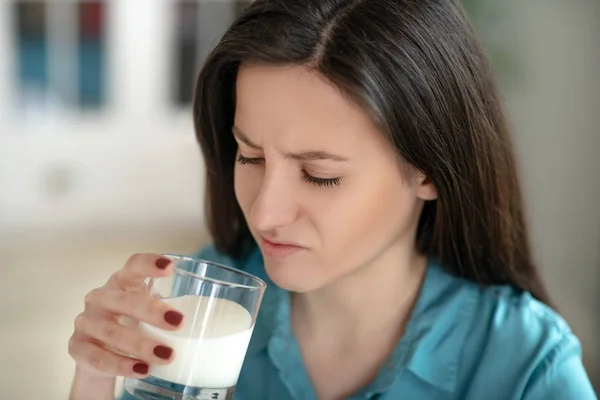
point(275, 205)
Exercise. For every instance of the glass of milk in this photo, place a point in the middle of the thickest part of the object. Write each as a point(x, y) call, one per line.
point(219, 305)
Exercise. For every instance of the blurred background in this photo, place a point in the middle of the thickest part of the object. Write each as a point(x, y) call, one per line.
point(98, 158)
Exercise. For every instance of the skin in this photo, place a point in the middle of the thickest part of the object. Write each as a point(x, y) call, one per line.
point(315, 176)
point(99, 336)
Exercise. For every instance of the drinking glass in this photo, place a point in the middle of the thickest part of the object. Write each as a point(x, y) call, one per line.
point(219, 306)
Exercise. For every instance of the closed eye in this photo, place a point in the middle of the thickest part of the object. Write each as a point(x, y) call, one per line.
point(322, 182)
point(313, 180)
point(245, 160)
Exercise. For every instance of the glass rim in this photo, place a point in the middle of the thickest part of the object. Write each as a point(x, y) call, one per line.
point(260, 284)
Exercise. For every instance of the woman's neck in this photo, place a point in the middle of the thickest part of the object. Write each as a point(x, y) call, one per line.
point(378, 298)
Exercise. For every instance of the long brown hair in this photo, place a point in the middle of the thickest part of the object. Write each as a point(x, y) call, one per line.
point(418, 69)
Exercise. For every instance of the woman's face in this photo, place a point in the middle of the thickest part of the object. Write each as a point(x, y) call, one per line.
point(319, 185)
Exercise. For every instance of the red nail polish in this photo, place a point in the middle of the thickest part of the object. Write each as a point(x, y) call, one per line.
point(173, 318)
point(162, 263)
point(163, 352)
point(140, 368)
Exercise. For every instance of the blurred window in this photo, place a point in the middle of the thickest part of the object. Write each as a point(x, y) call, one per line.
point(91, 57)
point(60, 53)
point(31, 47)
point(186, 43)
point(198, 27)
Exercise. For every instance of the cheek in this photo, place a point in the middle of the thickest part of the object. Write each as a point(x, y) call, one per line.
point(368, 221)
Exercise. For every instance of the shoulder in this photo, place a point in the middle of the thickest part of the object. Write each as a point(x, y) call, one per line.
point(518, 342)
point(493, 337)
point(492, 315)
point(508, 314)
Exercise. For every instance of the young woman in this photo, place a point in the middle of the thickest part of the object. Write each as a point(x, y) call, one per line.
point(359, 160)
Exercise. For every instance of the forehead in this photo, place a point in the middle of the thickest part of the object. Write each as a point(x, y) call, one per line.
point(295, 107)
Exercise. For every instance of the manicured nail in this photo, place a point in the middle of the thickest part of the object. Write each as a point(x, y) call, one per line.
point(163, 352)
point(140, 368)
point(173, 318)
point(162, 263)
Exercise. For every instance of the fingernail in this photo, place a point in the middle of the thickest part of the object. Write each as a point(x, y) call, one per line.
point(140, 368)
point(173, 318)
point(162, 263)
point(163, 352)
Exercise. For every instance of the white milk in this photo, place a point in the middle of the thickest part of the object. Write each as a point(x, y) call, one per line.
point(211, 345)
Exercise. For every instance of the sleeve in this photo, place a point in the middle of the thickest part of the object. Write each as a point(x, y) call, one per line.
point(561, 375)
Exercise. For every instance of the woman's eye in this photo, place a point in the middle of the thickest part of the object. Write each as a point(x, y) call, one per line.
point(321, 182)
point(245, 160)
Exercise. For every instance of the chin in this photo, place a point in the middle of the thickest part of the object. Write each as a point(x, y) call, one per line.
point(291, 278)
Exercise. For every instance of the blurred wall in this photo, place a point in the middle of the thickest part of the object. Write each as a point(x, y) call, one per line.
point(554, 105)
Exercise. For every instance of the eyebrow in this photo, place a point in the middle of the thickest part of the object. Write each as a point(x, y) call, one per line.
point(309, 155)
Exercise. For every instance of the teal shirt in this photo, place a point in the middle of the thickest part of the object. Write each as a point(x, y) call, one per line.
point(462, 342)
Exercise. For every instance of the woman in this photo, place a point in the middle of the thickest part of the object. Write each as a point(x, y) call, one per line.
point(359, 160)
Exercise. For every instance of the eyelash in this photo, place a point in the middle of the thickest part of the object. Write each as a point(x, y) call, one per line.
point(321, 182)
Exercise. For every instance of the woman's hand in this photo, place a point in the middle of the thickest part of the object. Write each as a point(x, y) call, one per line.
point(100, 345)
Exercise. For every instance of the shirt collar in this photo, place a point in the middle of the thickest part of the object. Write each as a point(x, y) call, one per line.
point(437, 330)
point(431, 346)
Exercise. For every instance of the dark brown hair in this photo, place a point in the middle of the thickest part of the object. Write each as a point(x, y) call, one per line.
point(418, 69)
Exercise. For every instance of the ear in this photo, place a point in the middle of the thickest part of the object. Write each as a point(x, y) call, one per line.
point(425, 188)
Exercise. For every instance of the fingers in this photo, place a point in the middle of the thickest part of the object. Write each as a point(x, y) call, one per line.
point(138, 268)
point(123, 339)
point(138, 305)
point(101, 344)
point(93, 357)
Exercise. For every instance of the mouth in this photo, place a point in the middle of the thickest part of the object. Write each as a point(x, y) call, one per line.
point(279, 249)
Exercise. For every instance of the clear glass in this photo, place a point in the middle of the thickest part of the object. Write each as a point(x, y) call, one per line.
point(219, 305)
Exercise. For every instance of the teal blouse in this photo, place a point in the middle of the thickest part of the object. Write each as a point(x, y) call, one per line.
point(462, 342)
